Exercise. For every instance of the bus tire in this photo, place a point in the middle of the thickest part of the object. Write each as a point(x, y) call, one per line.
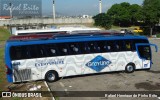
point(51, 76)
point(130, 68)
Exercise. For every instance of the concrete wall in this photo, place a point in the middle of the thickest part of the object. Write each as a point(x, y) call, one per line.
point(46, 21)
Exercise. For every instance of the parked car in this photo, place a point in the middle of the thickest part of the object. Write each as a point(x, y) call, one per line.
point(137, 30)
point(124, 30)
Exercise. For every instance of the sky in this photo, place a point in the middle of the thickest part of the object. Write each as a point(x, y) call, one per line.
point(81, 7)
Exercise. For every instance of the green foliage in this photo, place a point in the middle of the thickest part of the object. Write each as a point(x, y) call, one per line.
point(125, 14)
point(158, 35)
point(151, 12)
point(135, 13)
point(103, 20)
point(4, 34)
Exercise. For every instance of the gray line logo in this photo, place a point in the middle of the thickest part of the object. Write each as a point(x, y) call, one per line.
point(98, 63)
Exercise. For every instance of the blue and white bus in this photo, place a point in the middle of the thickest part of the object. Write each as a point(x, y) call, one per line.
point(76, 54)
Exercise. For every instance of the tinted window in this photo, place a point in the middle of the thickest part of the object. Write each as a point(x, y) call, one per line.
point(119, 45)
point(128, 45)
point(74, 48)
point(92, 47)
point(110, 46)
point(18, 52)
point(36, 51)
point(138, 41)
point(101, 46)
point(27, 52)
point(51, 50)
point(144, 52)
point(62, 49)
point(84, 49)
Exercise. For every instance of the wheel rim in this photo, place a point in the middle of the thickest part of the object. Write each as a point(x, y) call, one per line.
point(129, 68)
point(51, 76)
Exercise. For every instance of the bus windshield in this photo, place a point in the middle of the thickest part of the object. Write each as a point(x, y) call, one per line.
point(144, 52)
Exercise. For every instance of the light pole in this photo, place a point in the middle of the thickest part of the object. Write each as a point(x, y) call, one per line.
point(54, 12)
point(100, 6)
point(10, 9)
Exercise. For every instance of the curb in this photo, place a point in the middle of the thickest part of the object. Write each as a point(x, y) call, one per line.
point(48, 89)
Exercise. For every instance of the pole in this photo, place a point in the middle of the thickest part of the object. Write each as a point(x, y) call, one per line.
point(54, 12)
point(100, 6)
point(10, 5)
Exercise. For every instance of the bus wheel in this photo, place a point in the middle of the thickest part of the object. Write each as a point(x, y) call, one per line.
point(130, 68)
point(51, 76)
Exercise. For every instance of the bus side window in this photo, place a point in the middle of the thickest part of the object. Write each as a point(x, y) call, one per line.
point(36, 51)
point(83, 48)
point(62, 49)
point(110, 46)
point(102, 46)
point(119, 45)
point(73, 47)
point(15, 53)
point(51, 50)
point(41, 51)
point(92, 47)
point(18, 52)
point(128, 45)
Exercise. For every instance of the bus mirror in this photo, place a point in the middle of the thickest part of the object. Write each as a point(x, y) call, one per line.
point(156, 47)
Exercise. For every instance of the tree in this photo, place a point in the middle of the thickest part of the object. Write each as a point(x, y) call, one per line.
point(151, 12)
point(136, 13)
point(125, 14)
point(103, 20)
point(120, 14)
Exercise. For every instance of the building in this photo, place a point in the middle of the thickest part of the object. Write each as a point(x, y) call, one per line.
point(5, 17)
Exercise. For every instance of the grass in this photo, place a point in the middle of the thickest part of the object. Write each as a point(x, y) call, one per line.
point(4, 35)
point(158, 35)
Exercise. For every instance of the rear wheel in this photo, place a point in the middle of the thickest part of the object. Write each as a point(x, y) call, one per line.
point(51, 76)
point(130, 68)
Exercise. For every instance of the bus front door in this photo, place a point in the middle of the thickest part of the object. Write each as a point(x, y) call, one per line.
point(144, 53)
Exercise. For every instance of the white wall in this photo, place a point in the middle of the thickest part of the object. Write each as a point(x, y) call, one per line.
point(46, 21)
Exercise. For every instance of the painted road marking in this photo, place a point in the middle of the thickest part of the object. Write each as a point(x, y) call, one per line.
point(61, 84)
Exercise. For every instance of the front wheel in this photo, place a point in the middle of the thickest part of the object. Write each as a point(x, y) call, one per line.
point(51, 76)
point(130, 68)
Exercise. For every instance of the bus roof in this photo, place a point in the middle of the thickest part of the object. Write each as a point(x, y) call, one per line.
point(58, 38)
point(62, 30)
point(39, 31)
point(52, 35)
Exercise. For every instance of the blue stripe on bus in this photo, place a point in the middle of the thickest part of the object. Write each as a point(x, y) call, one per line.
point(10, 78)
point(8, 63)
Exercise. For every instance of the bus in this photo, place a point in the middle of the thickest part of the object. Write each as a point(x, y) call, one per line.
point(62, 30)
point(75, 54)
point(39, 31)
